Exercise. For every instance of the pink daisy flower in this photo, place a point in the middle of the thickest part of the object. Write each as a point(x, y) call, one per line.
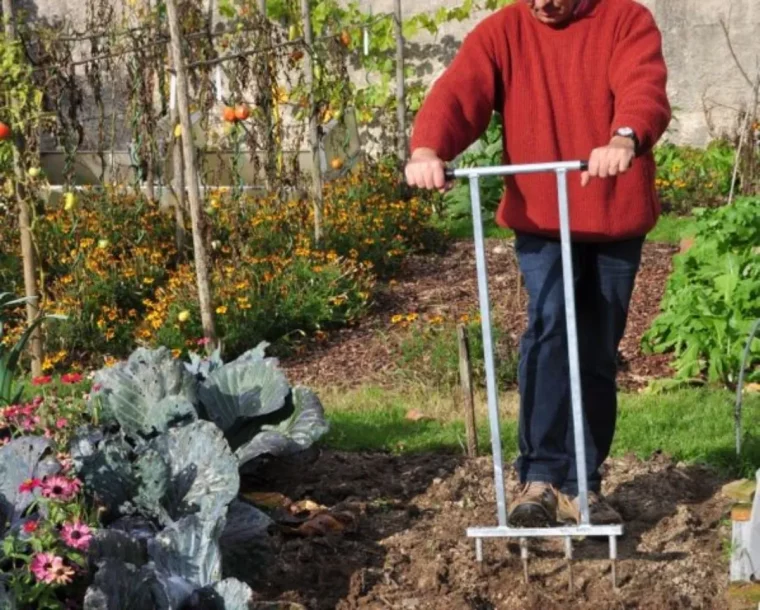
point(42, 564)
point(61, 423)
point(76, 535)
point(42, 380)
point(60, 488)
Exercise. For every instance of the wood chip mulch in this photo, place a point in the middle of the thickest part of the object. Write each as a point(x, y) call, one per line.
point(446, 285)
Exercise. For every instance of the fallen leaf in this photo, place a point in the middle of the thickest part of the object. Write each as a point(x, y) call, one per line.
point(416, 415)
point(752, 387)
point(305, 506)
point(266, 499)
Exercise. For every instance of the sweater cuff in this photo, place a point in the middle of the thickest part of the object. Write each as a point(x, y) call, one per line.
point(643, 133)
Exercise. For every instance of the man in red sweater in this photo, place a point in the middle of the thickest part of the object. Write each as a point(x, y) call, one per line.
point(572, 79)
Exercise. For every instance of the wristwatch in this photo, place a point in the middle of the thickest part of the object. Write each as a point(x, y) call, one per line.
point(627, 132)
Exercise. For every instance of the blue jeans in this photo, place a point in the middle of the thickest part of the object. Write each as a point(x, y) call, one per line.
point(604, 279)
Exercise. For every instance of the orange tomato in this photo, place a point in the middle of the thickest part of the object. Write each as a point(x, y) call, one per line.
point(229, 114)
point(242, 112)
point(336, 163)
point(345, 38)
point(5, 131)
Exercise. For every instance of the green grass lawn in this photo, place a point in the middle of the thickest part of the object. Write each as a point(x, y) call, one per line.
point(669, 229)
point(692, 425)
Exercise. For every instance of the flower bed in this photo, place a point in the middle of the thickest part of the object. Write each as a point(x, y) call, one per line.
point(111, 265)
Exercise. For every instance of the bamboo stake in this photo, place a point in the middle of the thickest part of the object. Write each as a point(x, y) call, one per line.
point(191, 175)
point(24, 220)
point(316, 171)
point(400, 84)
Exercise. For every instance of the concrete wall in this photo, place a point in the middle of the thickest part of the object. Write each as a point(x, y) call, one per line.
point(705, 84)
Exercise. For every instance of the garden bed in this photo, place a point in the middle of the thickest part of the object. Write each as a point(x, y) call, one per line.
point(407, 547)
point(445, 287)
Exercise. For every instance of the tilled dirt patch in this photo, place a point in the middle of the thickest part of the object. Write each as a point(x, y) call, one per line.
point(407, 549)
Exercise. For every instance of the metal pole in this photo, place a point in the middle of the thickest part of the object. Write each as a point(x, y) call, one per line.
point(485, 317)
point(572, 346)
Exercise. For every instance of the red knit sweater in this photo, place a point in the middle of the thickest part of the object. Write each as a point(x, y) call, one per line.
point(562, 92)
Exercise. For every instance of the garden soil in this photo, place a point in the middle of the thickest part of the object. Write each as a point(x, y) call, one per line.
point(404, 546)
point(398, 540)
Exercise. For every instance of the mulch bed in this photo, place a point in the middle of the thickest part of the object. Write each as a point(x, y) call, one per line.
point(446, 284)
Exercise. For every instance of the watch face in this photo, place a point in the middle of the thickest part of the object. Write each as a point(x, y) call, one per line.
point(625, 131)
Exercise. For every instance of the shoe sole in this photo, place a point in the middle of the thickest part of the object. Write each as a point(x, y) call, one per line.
point(530, 515)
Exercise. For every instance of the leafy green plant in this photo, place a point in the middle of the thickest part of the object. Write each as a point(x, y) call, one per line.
point(164, 470)
point(713, 297)
point(9, 358)
point(488, 151)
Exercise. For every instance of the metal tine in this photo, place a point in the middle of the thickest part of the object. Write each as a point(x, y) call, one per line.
point(569, 557)
point(479, 550)
point(524, 557)
point(613, 560)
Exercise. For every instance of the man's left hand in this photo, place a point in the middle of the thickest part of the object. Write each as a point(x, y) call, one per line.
point(610, 160)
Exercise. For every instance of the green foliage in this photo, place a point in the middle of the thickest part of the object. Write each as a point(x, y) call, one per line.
point(487, 152)
point(429, 351)
point(9, 358)
point(689, 177)
point(713, 297)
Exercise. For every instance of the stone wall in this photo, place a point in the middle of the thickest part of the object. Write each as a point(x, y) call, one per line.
point(705, 85)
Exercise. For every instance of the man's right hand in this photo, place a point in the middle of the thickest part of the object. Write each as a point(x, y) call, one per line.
point(425, 170)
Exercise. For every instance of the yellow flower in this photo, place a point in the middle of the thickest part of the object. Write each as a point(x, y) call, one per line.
point(183, 316)
point(103, 244)
point(396, 319)
point(411, 317)
point(176, 352)
point(221, 310)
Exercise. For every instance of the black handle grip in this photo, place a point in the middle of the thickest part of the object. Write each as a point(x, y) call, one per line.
point(448, 174)
point(584, 166)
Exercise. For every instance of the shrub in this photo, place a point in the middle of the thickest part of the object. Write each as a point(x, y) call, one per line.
point(713, 297)
point(689, 177)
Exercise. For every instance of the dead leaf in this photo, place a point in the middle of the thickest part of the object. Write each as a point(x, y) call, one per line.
point(752, 387)
point(416, 415)
point(305, 506)
point(266, 499)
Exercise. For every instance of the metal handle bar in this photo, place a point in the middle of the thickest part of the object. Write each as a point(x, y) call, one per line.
point(451, 173)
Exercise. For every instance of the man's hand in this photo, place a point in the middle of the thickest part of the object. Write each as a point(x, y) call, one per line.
point(610, 160)
point(425, 170)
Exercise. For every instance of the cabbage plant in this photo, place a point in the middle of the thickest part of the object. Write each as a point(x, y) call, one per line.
point(164, 466)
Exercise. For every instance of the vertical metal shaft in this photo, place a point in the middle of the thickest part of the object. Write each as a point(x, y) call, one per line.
point(613, 560)
point(572, 345)
point(569, 557)
point(485, 317)
point(524, 557)
point(478, 549)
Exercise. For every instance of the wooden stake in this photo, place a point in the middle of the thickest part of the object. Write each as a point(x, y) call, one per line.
point(465, 376)
point(316, 171)
point(178, 185)
point(191, 177)
point(24, 219)
point(400, 84)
